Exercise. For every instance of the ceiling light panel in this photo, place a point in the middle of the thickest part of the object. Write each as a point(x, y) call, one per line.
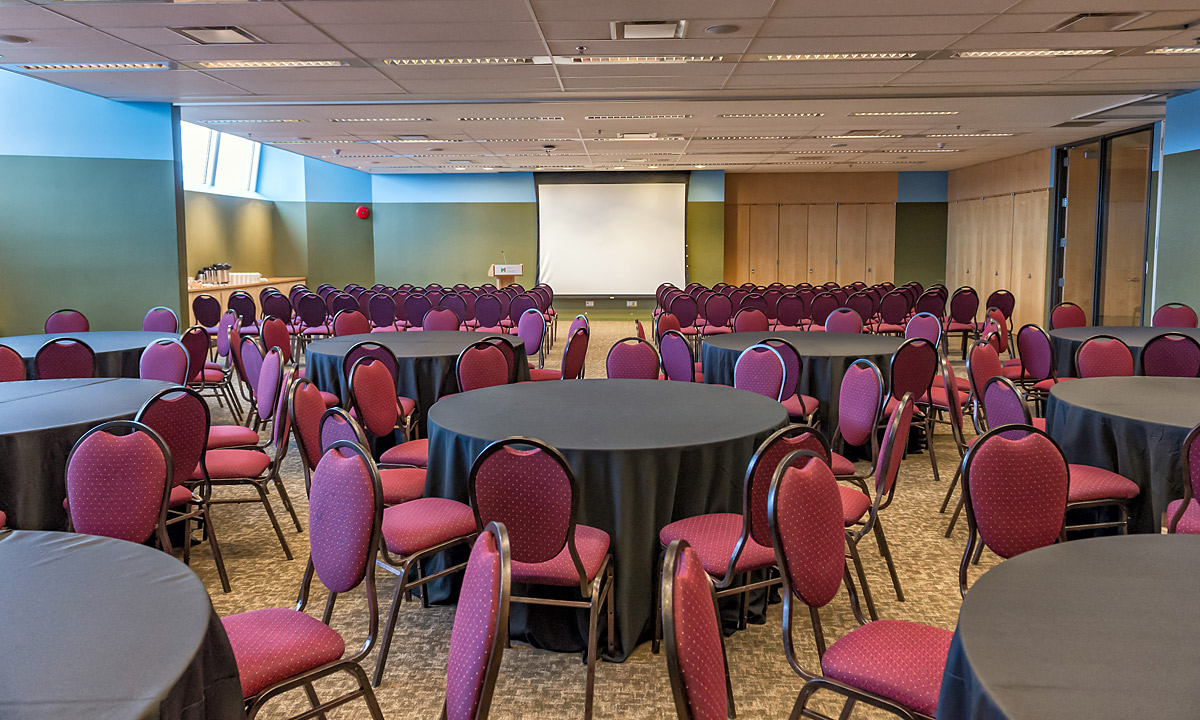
point(803, 57)
point(920, 150)
point(857, 137)
point(543, 118)
point(636, 117)
point(1042, 53)
point(721, 138)
point(267, 64)
point(1187, 50)
point(633, 59)
point(903, 113)
point(966, 135)
point(771, 115)
point(68, 67)
point(391, 119)
point(461, 61)
point(240, 121)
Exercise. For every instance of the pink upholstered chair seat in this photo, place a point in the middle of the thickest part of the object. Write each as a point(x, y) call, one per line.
point(792, 405)
point(963, 383)
point(1050, 382)
point(938, 396)
point(494, 329)
point(213, 376)
point(3, 519)
point(1093, 483)
point(592, 544)
point(542, 374)
point(855, 504)
point(699, 377)
point(233, 463)
point(425, 522)
point(901, 661)
point(413, 452)
point(210, 365)
point(1188, 524)
point(841, 465)
point(713, 537)
point(387, 328)
point(180, 495)
point(889, 328)
point(317, 330)
point(406, 405)
point(402, 484)
point(1012, 372)
point(226, 436)
point(1011, 362)
point(1039, 423)
point(716, 330)
point(274, 644)
point(953, 326)
point(330, 399)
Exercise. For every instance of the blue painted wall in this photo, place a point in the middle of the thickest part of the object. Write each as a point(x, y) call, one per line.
point(922, 186)
point(1177, 232)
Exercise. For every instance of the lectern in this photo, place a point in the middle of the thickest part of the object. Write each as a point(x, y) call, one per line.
point(506, 274)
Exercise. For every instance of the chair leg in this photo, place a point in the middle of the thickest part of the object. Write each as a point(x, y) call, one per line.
point(657, 589)
point(744, 603)
point(929, 444)
point(593, 619)
point(266, 502)
point(862, 579)
point(847, 709)
point(215, 547)
point(287, 501)
point(187, 539)
point(950, 490)
point(385, 643)
point(802, 701)
point(612, 630)
point(311, 692)
point(360, 676)
point(978, 553)
point(886, 552)
point(954, 518)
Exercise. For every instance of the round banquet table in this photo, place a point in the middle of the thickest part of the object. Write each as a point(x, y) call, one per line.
point(425, 361)
point(645, 453)
point(1067, 340)
point(1134, 426)
point(826, 357)
point(40, 421)
point(1084, 630)
point(101, 628)
point(117, 352)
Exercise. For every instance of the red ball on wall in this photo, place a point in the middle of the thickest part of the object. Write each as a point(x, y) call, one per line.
point(363, 212)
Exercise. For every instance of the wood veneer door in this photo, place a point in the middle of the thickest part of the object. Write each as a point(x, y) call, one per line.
point(1030, 238)
point(881, 243)
point(737, 244)
point(851, 243)
point(822, 243)
point(793, 244)
point(996, 251)
point(764, 244)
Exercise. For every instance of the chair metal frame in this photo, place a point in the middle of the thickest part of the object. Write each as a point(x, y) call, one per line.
point(1188, 494)
point(58, 341)
point(1141, 356)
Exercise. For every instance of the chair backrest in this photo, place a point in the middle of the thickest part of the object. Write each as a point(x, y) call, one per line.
point(1174, 315)
point(228, 320)
point(932, 302)
point(580, 321)
point(481, 364)
point(337, 424)
point(337, 302)
point(241, 303)
point(822, 305)
point(718, 310)
point(118, 481)
point(67, 321)
point(181, 418)
point(1103, 356)
point(807, 530)
point(891, 449)
point(860, 402)
point(954, 409)
point(1190, 459)
point(345, 510)
point(1003, 404)
point(12, 365)
point(912, 368)
point(306, 407)
point(510, 353)
point(480, 627)
point(760, 369)
point(665, 323)
point(531, 328)
point(750, 319)
point(861, 303)
point(995, 320)
point(691, 621)
point(1067, 315)
point(754, 301)
point(575, 355)
point(1171, 355)
point(441, 319)
point(277, 305)
point(161, 319)
point(207, 310)
point(632, 359)
point(964, 305)
point(382, 310)
point(1036, 352)
point(894, 307)
point(1002, 300)
point(196, 341)
point(275, 334)
point(756, 485)
point(350, 322)
point(416, 306)
point(924, 325)
point(685, 309)
point(64, 358)
point(789, 311)
point(270, 379)
point(793, 368)
point(165, 360)
point(983, 364)
point(369, 348)
point(844, 320)
point(455, 303)
point(677, 361)
point(527, 485)
point(312, 310)
point(373, 396)
point(518, 305)
point(1015, 482)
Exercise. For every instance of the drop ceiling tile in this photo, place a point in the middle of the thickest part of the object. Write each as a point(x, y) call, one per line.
point(1060, 40)
point(340, 81)
point(1024, 23)
point(145, 86)
point(798, 82)
point(433, 32)
point(575, 10)
point(64, 37)
point(1153, 77)
point(1000, 68)
point(1076, 6)
point(26, 17)
point(583, 30)
point(981, 78)
point(198, 53)
point(852, 8)
point(826, 67)
point(643, 83)
point(414, 11)
point(916, 43)
point(479, 87)
point(870, 25)
point(382, 50)
point(278, 34)
point(142, 14)
point(711, 45)
point(117, 53)
point(1149, 62)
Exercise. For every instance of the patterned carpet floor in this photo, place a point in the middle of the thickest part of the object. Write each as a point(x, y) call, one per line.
point(535, 683)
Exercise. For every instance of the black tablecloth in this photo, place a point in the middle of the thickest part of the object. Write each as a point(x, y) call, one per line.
point(99, 628)
point(117, 352)
point(1067, 340)
point(645, 452)
point(426, 362)
point(826, 358)
point(1134, 426)
point(40, 421)
point(1089, 630)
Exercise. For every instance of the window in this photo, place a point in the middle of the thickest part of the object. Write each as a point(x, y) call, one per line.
point(218, 162)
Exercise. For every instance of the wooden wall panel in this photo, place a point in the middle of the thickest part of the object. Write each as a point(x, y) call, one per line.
point(822, 243)
point(764, 243)
point(1079, 262)
point(881, 243)
point(793, 244)
point(810, 188)
point(995, 251)
point(1030, 234)
point(970, 230)
point(1020, 173)
point(737, 244)
point(851, 243)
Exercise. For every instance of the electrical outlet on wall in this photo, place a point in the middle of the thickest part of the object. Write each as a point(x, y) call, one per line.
point(631, 303)
point(589, 303)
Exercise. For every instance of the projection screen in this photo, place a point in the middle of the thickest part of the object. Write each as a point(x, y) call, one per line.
point(611, 238)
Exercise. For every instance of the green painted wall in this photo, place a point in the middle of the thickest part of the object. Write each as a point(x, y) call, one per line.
point(450, 243)
point(921, 242)
point(97, 234)
point(340, 245)
point(1179, 229)
point(290, 225)
point(236, 230)
point(706, 242)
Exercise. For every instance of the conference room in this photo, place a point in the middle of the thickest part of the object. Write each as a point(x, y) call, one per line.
point(553, 359)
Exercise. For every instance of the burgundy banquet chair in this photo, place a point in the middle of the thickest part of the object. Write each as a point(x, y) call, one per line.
point(800, 407)
point(844, 320)
point(440, 319)
point(67, 321)
point(481, 364)
point(207, 311)
point(373, 400)
point(1103, 356)
point(164, 360)
point(63, 358)
point(632, 359)
point(161, 319)
point(12, 365)
point(760, 369)
point(406, 406)
point(350, 322)
point(1184, 514)
point(750, 319)
point(677, 360)
point(1174, 315)
point(860, 403)
point(1170, 355)
point(573, 359)
point(1067, 315)
point(400, 483)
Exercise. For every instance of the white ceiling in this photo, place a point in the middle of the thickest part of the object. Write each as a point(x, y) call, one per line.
point(1027, 97)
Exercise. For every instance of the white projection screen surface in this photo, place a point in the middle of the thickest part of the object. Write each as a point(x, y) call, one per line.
point(611, 238)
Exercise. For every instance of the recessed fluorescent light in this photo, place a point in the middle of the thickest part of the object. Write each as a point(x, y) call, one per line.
point(1031, 53)
point(651, 167)
point(956, 135)
point(418, 140)
point(629, 137)
point(315, 142)
point(901, 113)
point(823, 152)
point(507, 119)
point(268, 64)
point(857, 137)
point(239, 121)
point(619, 167)
point(771, 115)
point(1186, 50)
point(886, 162)
point(790, 57)
point(392, 119)
point(749, 137)
point(636, 117)
point(800, 162)
point(461, 61)
point(633, 59)
point(700, 167)
point(921, 150)
point(97, 66)
point(219, 35)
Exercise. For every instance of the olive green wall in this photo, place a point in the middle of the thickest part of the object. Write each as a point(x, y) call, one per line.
point(96, 234)
point(921, 242)
point(340, 245)
point(706, 242)
point(1179, 229)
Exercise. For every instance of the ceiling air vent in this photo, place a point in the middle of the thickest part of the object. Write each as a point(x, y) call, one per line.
point(1097, 22)
point(648, 29)
point(1079, 123)
point(217, 35)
